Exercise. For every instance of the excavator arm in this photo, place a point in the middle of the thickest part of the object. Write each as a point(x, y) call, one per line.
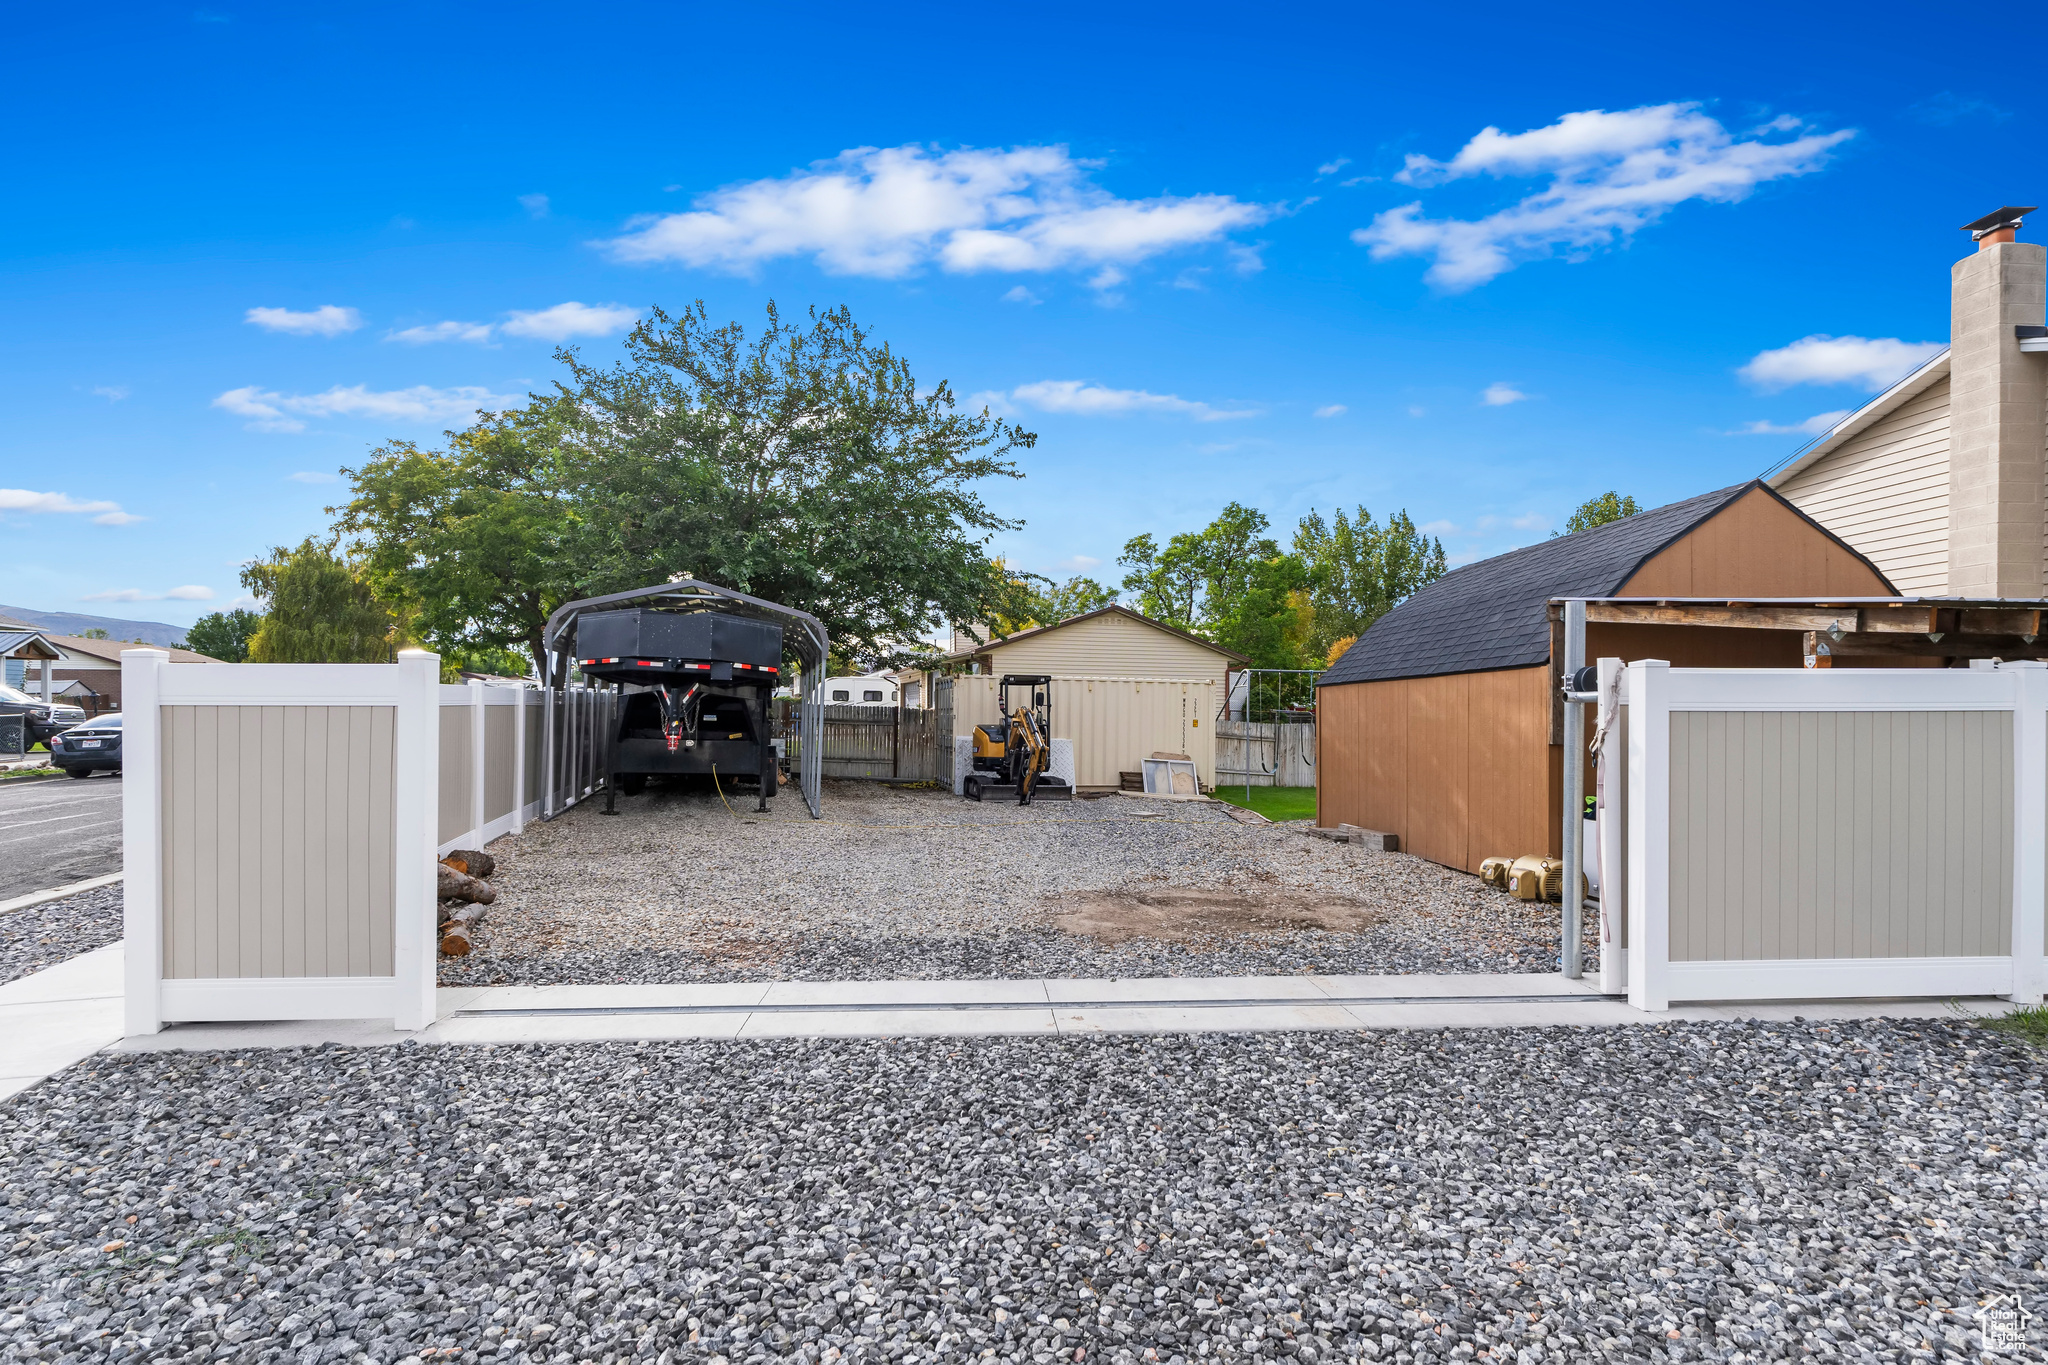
point(1029, 754)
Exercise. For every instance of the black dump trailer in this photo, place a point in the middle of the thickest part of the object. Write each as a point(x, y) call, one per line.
point(695, 689)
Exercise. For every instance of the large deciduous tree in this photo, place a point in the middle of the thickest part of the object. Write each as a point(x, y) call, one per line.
point(803, 465)
point(472, 541)
point(222, 635)
point(318, 609)
point(1358, 570)
point(1229, 581)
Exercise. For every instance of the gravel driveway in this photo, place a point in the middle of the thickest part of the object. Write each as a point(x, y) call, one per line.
point(902, 884)
point(1688, 1192)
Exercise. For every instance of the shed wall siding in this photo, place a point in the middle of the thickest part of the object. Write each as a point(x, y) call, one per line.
point(1457, 766)
point(1885, 491)
point(1815, 834)
point(277, 841)
point(1755, 546)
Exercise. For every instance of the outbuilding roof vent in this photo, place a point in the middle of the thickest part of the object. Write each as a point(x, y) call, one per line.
point(2001, 226)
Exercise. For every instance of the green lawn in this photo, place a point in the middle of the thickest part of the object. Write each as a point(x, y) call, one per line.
point(1275, 803)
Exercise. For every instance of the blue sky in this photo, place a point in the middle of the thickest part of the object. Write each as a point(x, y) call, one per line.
point(1472, 262)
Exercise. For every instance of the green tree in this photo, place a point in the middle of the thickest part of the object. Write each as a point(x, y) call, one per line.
point(1229, 582)
point(471, 542)
point(1609, 506)
point(222, 635)
point(1020, 600)
point(1358, 570)
point(317, 609)
point(803, 465)
point(96, 633)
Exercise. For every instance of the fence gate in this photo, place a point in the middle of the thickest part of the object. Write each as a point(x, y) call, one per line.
point(1797, 835)
point(1280, 754)
point(876, 743)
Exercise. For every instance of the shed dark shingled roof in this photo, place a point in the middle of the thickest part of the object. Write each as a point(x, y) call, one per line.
point(1492, 614)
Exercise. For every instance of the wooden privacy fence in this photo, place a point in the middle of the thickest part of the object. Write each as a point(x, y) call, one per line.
point(1780, 834)
point(876, 743)
point(1265, 754)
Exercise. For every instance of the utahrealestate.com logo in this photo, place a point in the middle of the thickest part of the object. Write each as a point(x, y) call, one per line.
point(2003, 1321)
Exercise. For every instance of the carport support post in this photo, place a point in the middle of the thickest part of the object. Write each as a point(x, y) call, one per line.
point(1574, 786)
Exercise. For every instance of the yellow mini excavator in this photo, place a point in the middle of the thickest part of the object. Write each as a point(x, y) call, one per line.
point(1013, 756)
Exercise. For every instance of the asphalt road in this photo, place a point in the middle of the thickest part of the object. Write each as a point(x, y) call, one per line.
point(56, 832)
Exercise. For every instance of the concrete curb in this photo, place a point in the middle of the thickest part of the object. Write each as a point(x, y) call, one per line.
point(59, 893)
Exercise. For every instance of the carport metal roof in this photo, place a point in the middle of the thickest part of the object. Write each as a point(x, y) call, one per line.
point(814, 646)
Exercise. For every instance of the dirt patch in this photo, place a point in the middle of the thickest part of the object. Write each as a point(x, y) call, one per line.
point(1180, 915)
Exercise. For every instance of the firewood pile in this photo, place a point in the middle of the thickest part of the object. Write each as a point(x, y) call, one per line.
point(463, 893)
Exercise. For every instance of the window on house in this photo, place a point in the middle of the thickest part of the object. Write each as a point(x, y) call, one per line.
point(841, 694)
point(872, 694)
point(910, 694)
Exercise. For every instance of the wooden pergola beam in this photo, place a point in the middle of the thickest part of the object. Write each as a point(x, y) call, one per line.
point(1897, 646)
point(1736, 617)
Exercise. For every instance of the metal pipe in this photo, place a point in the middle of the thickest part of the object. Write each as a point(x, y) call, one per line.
point(1573, 918)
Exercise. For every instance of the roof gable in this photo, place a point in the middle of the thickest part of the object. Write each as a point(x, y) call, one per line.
point(1493, 614)
point(1886, 403)
point(1114, 609)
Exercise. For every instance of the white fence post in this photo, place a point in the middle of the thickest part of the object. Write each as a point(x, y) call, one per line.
point(1612, 776)
point(142, 864)
point(479, 764)
point(1649, 834)
point(415, 802)
point(519, 697)
point(2030, 829)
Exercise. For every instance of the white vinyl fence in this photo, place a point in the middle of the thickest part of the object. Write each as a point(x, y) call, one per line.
point(281, 823)
point(1812, 834)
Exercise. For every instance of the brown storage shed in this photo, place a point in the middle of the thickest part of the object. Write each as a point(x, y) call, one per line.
point(1440, 724)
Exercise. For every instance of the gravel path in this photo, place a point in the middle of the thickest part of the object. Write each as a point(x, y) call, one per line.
point(44, 935)
point(1691, 1192)
point(900, 884)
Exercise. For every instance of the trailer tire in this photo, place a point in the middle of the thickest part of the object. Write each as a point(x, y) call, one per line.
point(971, 789)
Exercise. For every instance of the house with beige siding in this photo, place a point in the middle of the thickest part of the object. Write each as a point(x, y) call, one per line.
point(1124, 687)
point(1939, 480)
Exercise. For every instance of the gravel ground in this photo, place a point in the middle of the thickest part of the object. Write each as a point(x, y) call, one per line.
point(903, 884)
point(1711, 1192)
point(44, 935)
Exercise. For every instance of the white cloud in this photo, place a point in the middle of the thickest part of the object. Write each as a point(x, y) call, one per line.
point(1077, 398)
point(1873, 362)
point(1610, 174)
point(1332, 410)
point(270, 411)
point(478, 332)
point(889, 211)
point(1019, 294)
point(1499, 395)
point(313, 476)
point(324, 321)
point(1818, 424)
point(1080, 563)
point(113, 393)
point(567, 320)
point(536, 205)
point(1332, 167)
point(190, 592)
point(102, 512)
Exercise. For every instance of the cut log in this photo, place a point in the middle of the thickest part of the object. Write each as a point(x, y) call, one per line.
point(455, 943)
point(450, 885)
point(462, 916)
point(472, 861)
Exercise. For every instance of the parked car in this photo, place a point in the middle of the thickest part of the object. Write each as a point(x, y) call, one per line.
point(92, 747)
point(44, 718)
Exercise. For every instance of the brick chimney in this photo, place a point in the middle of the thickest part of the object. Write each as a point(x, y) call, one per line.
point(1998, 415)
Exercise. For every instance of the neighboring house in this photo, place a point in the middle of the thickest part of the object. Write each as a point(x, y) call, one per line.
point(1940, 479)
point(1437, 725)
point(1110, 642)
point(95, 667)
point(23, 645)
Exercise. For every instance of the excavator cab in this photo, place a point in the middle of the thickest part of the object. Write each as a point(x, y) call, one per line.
point(1013, 756)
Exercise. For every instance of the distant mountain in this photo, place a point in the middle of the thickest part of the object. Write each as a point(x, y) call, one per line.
point(73, 623)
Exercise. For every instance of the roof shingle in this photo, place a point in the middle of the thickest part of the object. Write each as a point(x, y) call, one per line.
point(1492, 614)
